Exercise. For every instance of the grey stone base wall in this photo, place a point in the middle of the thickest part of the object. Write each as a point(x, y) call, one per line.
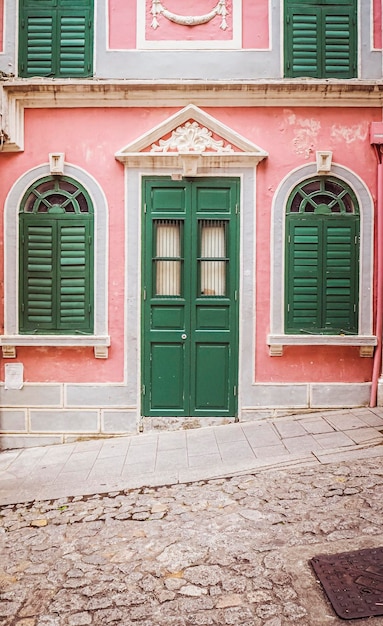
point(54, 413)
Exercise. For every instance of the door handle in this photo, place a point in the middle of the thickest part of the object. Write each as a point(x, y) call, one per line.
point(184, 336)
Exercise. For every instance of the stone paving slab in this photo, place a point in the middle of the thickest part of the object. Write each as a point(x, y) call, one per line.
point(157, 458)
point(218, 552)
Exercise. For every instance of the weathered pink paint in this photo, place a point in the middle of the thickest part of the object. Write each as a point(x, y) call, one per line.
point(291, 136)
point(255, 24)
point(377, 24)
point(122, 24)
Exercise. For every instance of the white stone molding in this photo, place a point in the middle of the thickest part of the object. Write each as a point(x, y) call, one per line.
point(56, 163)
point(365, 337)
point(191, 146)
point(11, 338)
point(324, 161)
point(19, 95)
point(189, 20)
point(227, 18)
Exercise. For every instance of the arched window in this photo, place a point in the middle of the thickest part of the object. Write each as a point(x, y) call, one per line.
point(56, 258)
point(322, 258)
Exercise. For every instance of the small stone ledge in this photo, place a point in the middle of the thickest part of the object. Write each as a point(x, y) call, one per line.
point(366, 343)
point(99, 343)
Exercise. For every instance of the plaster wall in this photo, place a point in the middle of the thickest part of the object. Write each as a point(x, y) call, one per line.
point(291, 138)
point(60, 383)
point(256, 53)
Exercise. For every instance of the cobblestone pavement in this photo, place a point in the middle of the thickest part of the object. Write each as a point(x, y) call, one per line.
point(220, 552)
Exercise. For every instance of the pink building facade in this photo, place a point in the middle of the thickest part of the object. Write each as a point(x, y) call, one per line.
point(191, 197)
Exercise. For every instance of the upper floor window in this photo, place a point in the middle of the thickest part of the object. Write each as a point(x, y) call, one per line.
point(322, 258)
point(321, 38)
point(56, 38)
point(56, 258)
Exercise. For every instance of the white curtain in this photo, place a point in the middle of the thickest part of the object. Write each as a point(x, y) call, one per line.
point(168, 245)
point(213, 273)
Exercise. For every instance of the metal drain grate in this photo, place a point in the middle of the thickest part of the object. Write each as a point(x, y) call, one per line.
point(353, 581)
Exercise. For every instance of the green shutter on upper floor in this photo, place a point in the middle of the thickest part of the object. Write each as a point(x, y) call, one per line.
point(320, 38)
point(56, 38)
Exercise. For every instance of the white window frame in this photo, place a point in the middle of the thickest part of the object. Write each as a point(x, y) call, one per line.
point(11, 338)
point(277, 337)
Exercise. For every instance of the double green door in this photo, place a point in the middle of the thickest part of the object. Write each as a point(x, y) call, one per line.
point(190, 297)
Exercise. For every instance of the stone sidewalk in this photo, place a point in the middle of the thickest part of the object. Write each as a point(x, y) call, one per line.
point(164, 458)
point(223, 552)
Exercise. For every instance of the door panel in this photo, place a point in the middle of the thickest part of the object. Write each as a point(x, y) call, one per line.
point(212, 370)
point(167, 388)
point(190, 302)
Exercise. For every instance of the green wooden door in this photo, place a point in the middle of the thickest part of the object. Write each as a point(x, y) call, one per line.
point(190, 297)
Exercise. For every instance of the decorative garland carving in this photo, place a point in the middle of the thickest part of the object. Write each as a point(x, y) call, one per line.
point(191, 138)
point(188, 20)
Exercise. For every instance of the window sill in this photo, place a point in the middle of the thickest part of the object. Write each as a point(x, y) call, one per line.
point(366, 343)
point(100, 343)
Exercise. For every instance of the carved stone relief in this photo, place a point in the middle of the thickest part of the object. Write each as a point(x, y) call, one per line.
point(188, 20)
point(191, 137)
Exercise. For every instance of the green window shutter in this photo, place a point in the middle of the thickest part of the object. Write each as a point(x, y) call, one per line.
point(74, 56)
point(340, 265)
point(37, 43)
point(301, 41)
point(56, 271)
point(37, 278)
point(75, 270)
point(321, 274)
point(303, 286)
point(56, 38)
point(340, 43)
point(320, 38)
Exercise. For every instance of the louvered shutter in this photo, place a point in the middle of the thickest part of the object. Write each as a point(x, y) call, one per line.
point(74, 275)
point(74, 31)
point(56, 38)
point(320, 38)
point(37, 41)
point(340, 43)
point(56, 270)
point(303, 284)
point(38, 275)
point(301, 43)
point(321, 274)
point(340, 271)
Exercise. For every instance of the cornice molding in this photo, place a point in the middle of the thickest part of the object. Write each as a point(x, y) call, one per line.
point(18, 94)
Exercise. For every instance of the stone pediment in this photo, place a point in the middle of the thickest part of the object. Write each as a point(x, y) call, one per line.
point(189, 140)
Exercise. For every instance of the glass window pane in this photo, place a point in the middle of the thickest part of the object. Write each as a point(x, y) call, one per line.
point(213, 246)
point(168, 261)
